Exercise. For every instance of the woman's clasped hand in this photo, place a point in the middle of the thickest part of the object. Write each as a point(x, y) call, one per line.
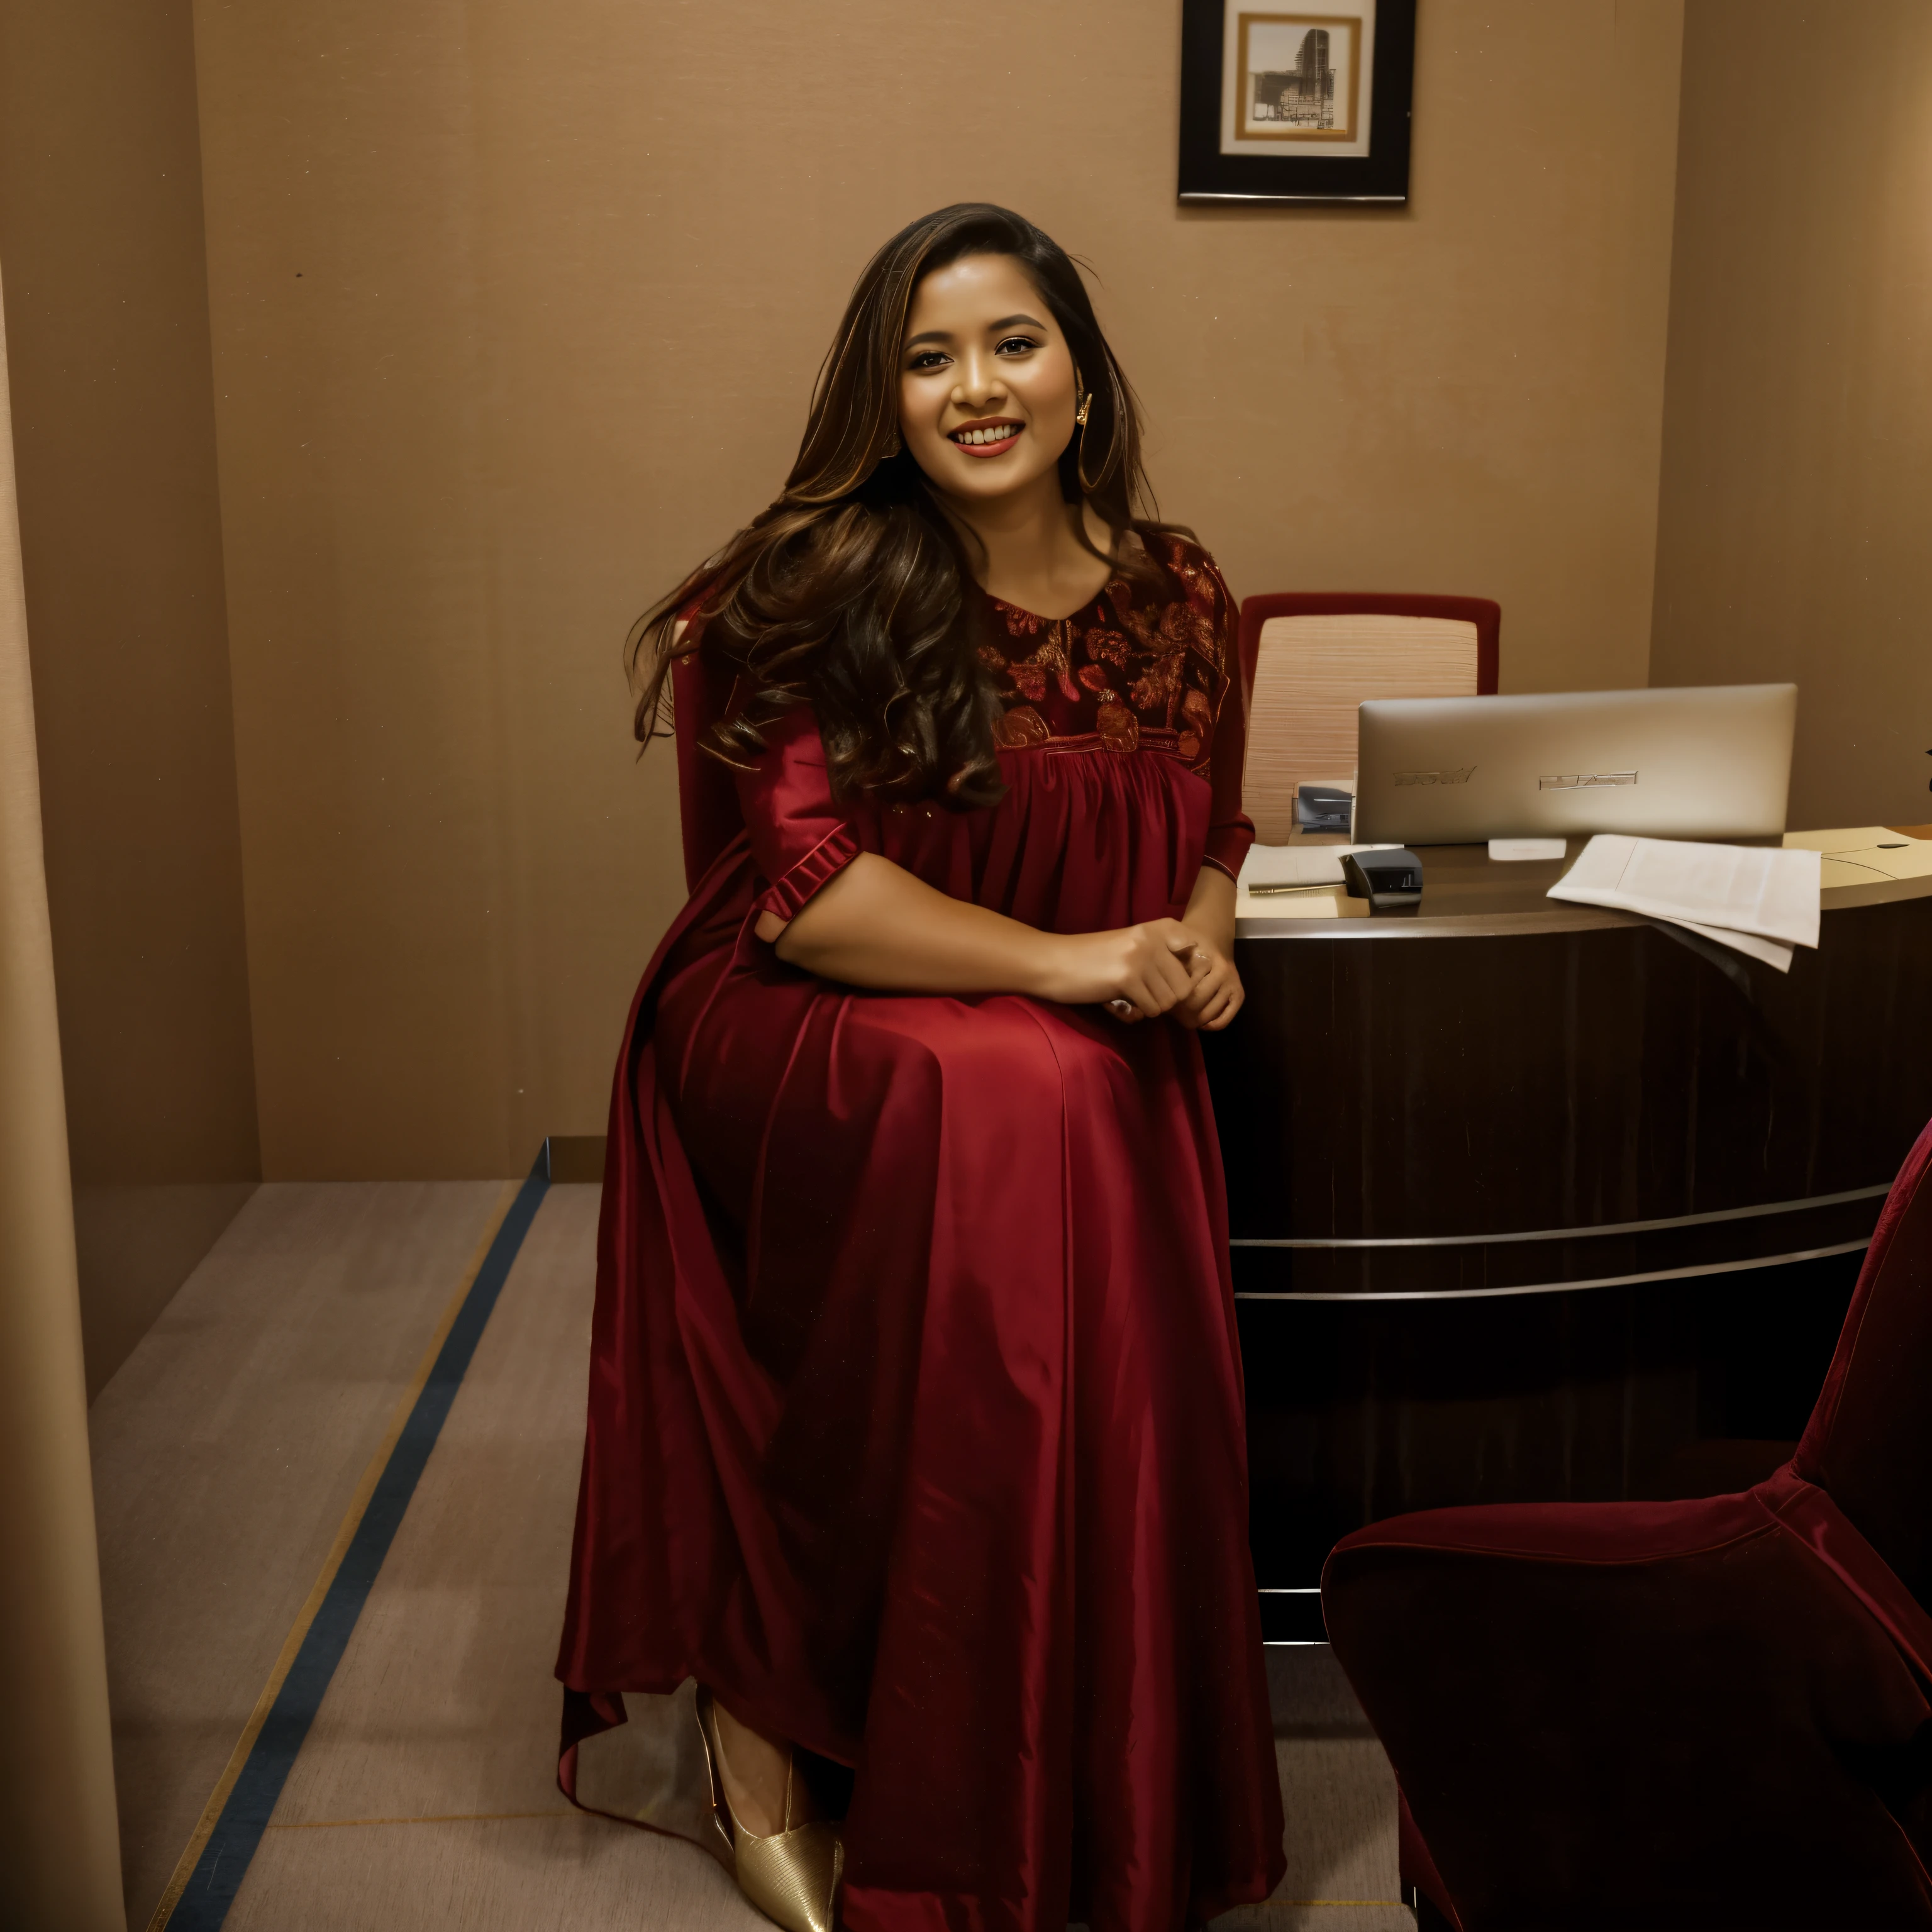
point(1142, 972)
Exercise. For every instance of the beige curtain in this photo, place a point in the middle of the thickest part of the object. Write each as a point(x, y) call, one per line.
point(60, 1854)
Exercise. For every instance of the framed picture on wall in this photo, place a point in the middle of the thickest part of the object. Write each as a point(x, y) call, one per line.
point(1286, 103)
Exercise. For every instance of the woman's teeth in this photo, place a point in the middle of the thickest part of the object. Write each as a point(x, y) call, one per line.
point(1000, 433)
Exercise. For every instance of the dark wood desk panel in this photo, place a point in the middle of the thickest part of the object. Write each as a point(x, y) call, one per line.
point(1510, 1181)
point(1491, 1066)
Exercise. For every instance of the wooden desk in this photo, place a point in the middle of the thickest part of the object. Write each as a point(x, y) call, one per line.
point(1488, 1162)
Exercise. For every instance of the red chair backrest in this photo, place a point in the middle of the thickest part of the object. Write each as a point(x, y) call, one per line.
point(708, 813)
point(1310, 660)
point(1485, 614)
point(1869, 1442)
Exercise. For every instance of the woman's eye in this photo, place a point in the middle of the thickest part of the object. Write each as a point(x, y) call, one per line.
point(1019, 345)
point(926, 358)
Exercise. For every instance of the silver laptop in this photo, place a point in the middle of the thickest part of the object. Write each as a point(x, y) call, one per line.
point(1709, 761)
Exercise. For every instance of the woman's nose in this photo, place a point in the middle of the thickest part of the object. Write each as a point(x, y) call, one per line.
point(978, 384)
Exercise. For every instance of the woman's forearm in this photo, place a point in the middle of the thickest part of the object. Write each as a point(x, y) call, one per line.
point(1210, 908)
point(874, 925)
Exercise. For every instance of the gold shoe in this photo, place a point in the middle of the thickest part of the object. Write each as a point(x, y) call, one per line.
point(791, 1876)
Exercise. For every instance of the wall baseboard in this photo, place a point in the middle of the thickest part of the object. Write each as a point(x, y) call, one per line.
point(573, 1157)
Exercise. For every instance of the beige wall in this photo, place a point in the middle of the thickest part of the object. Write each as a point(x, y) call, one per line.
point(515, 309)
point(1798, 454)
point(59, 1847)
point(106, 314)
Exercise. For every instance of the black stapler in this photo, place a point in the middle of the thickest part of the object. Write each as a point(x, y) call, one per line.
point(1320, 807)
point(1385, 879)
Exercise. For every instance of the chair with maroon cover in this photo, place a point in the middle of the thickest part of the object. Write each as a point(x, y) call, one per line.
point(1697, 1713)
point(1309, 658)
point(708, 814)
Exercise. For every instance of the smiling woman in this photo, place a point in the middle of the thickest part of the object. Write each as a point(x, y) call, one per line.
point(915, 1432)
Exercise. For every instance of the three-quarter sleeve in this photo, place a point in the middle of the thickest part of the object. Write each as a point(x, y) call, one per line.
point(1230, 830)
point(800, 835)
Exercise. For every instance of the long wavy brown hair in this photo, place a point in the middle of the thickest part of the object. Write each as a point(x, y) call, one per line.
point(853, 591)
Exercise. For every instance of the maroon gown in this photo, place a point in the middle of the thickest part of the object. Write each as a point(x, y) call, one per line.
point(915, 1409)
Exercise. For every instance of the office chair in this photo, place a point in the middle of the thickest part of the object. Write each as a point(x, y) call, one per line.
point(1308, 659)
point(708, 814)
point(1701, 1714)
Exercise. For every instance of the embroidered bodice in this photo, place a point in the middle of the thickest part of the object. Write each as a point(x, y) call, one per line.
point(1120, 743)
point(1134, 667)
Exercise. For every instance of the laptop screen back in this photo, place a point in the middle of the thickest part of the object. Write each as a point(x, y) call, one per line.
point(1710, 761)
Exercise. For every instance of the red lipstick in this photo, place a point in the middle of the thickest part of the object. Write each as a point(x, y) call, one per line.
point(999, 434)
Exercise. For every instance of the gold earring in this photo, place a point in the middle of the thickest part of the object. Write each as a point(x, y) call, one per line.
point(1080, 414)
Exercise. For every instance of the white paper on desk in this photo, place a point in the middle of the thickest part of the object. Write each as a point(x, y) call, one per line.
point(1767, 892)
point(1299, 864)
point(1774, 955)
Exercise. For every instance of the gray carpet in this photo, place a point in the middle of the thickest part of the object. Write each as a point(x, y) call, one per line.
point(226, 1450)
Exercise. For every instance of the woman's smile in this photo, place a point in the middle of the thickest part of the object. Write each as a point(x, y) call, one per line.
point(992, 437)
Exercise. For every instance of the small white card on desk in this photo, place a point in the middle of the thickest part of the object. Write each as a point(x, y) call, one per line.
point(1527, 848)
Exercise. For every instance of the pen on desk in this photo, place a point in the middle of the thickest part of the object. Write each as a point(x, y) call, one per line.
point(1320, 885)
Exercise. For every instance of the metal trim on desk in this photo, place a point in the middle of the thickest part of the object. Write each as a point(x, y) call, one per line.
point(1587, 1232)
point(1553, 1287)
point(1298, 1625)
point(1257, 926)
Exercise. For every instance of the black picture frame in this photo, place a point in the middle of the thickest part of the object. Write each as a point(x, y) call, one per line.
point(1208, 177)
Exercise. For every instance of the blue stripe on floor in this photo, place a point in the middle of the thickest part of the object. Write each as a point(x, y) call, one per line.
point(225, 1858)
